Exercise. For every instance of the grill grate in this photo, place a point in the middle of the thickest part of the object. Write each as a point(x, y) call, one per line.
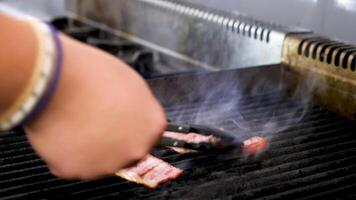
point(314, 158)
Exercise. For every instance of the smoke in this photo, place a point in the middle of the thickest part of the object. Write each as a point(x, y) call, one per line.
point(248, 102)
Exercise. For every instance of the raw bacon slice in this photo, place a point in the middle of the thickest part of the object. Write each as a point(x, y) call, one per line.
point(135, 178)
point(251, 146)
point(150, 172)
point(182, 150)
point(254, 145)
point(145, 165)
point(191, 137)
point(162, 173)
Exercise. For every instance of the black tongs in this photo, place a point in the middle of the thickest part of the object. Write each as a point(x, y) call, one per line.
point(223, 140)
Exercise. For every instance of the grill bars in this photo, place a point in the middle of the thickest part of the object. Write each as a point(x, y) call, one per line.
point(314, 159)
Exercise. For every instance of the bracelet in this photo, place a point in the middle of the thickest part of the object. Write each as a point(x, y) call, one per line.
point(44, 79)
point(51, 87)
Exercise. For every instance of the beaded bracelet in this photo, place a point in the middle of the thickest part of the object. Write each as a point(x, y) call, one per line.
point(52, 85)
point(44, 79)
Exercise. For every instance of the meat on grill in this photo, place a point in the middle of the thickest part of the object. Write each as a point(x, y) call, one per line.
point(254, 145)
point(182, 150)
point(251, 146)
point(150, 172)
point(191, 137)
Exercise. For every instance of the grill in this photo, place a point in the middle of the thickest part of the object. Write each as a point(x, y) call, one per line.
point(311, 153)
point(312, 141)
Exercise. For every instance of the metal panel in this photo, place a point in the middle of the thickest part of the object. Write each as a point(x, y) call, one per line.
point(330, 18)
point(210, 38)
point(43, 9)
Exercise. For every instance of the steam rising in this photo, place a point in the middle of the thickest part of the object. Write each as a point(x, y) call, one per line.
point(248, 103)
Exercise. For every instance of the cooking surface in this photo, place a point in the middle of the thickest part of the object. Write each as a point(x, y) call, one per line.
point(311, 153)
point(313, 158)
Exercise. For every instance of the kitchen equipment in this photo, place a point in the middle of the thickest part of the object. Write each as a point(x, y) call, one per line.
point(289, 85)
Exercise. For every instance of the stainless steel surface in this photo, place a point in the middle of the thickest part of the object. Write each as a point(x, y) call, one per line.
point(43, 9)
point(220, 40)
point(329, 18)
point(213, 39)
point(320, 16)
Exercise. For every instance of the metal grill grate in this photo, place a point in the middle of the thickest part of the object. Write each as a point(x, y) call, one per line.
point(314, 159)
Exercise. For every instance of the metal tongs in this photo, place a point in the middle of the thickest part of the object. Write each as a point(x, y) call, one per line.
point(222, 140)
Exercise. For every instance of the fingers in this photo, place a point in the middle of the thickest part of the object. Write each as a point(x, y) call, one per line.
point(130, 164)
point(79, 172)
point(75, 159)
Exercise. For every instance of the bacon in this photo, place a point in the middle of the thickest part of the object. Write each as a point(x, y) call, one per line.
point(191, 137)
point(150, 172)
point(133, 177)
point(251, 146)
point(254, 145)
point(145, 165)
point(182, 150)
point(162, 173)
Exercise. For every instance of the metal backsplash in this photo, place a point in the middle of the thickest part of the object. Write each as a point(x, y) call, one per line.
point(210, 38)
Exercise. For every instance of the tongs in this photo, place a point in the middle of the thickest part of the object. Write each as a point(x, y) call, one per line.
point(222, 140)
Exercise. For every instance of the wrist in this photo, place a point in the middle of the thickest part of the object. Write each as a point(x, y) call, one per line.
point(39, 89)
point(53, 79)
point(17, 62)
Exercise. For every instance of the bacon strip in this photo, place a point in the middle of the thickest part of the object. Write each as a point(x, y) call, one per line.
point(145, 165)
point(251, 146)
point(162, 173)
point(150, 172)
point(254, 145)
point(191, 137)
point(182, 150)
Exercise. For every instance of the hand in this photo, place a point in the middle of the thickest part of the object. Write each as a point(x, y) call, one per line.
point(101, 118)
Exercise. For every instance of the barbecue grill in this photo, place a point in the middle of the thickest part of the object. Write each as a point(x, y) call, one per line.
point(288, 85)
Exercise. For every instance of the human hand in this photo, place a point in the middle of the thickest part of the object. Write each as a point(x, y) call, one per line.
point(101, 118)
